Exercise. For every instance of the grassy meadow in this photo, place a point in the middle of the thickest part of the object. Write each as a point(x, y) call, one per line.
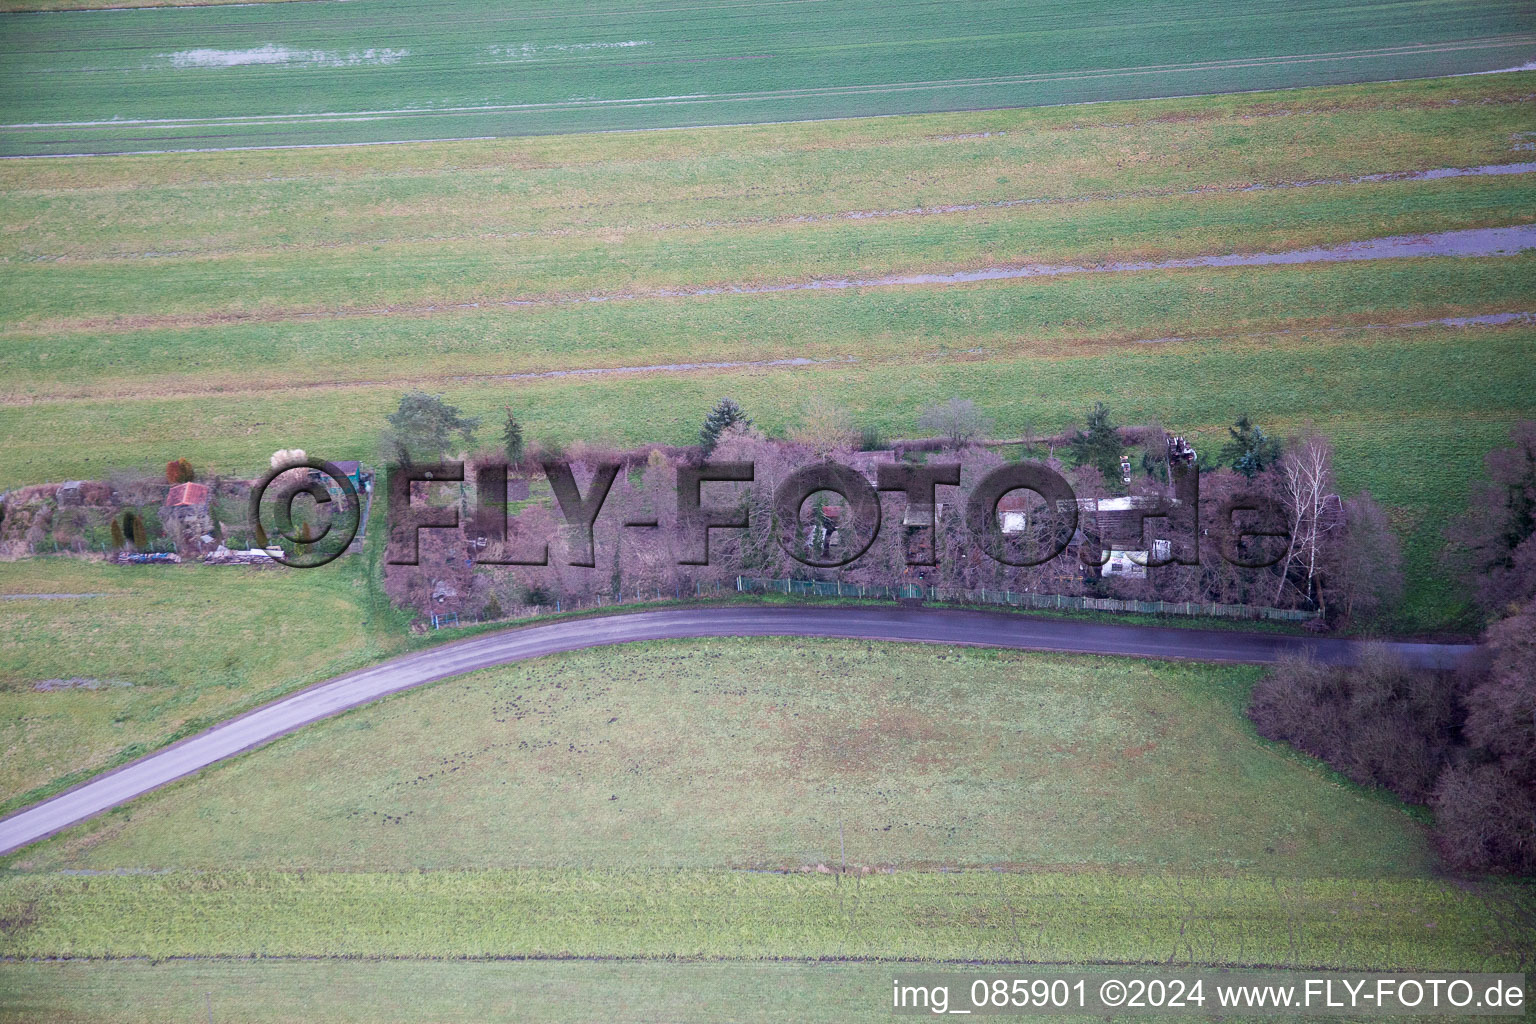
point(286, 284)
point(624, 183)
point(674, 817)
point(41, 6)
point(697, 800)
point(453, 992)
point(270, 74)
point(1065, 918)
point(155, 656)
point(471, 992)
point(641, 755)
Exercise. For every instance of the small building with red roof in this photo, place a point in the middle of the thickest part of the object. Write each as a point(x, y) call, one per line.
point(187, 515)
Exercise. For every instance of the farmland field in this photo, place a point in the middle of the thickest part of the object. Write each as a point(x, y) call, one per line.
point(674, 800)
point(224, 305)
point(322, 73)
point(452, 992)
point(765, 825)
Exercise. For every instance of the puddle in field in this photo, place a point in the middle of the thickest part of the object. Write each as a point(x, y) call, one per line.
point(1505, 241)
point(530, 51)
point(1529, 65)
point(1484, 171)
point(1435, 174)
point(1487, 319)
point(1472, 242)
point(658, 368)
point(271, 54)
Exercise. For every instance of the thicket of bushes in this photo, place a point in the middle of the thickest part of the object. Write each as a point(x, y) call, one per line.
point(1344, 561)
point(1462, 742)
point(1379, 722)
point(1485, 802)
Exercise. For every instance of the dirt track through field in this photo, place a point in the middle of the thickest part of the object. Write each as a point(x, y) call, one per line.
point(935, 209)
point(1468, 243)
point(128, 391)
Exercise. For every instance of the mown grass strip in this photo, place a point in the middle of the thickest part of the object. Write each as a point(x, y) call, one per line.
point(283, 285)
point(352, 991)
point(593, 186)
point(1380, 925)
point(1080, 316)
point(1379, 381)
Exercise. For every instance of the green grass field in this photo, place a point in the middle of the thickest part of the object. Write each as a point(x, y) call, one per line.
point(453, 992)
point(1069, 918)
point(273, 74)
point(663, 809)
point(639, 756)
point(41, 6)
point(673, 800)
point(387, 992)
point(193, 647)
point(471, 992)
point(721, 829)
point(290, 284)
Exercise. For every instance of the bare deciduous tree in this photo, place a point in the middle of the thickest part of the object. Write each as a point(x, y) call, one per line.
point(1364, 562)
point(957, 419)
point(1313, 509)
point(826, 428)
point(1485, 809)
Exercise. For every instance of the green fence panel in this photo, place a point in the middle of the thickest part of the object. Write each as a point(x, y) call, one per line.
point(1067, 602)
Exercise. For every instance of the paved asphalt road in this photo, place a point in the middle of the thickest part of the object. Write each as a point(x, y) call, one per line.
point(919, 625)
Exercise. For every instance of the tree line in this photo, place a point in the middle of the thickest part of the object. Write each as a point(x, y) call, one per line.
point(1462, 742)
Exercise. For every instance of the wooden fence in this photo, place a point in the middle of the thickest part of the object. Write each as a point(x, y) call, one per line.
point(1018, 599)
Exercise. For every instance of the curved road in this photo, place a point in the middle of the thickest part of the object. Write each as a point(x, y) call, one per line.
point(911, 625)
